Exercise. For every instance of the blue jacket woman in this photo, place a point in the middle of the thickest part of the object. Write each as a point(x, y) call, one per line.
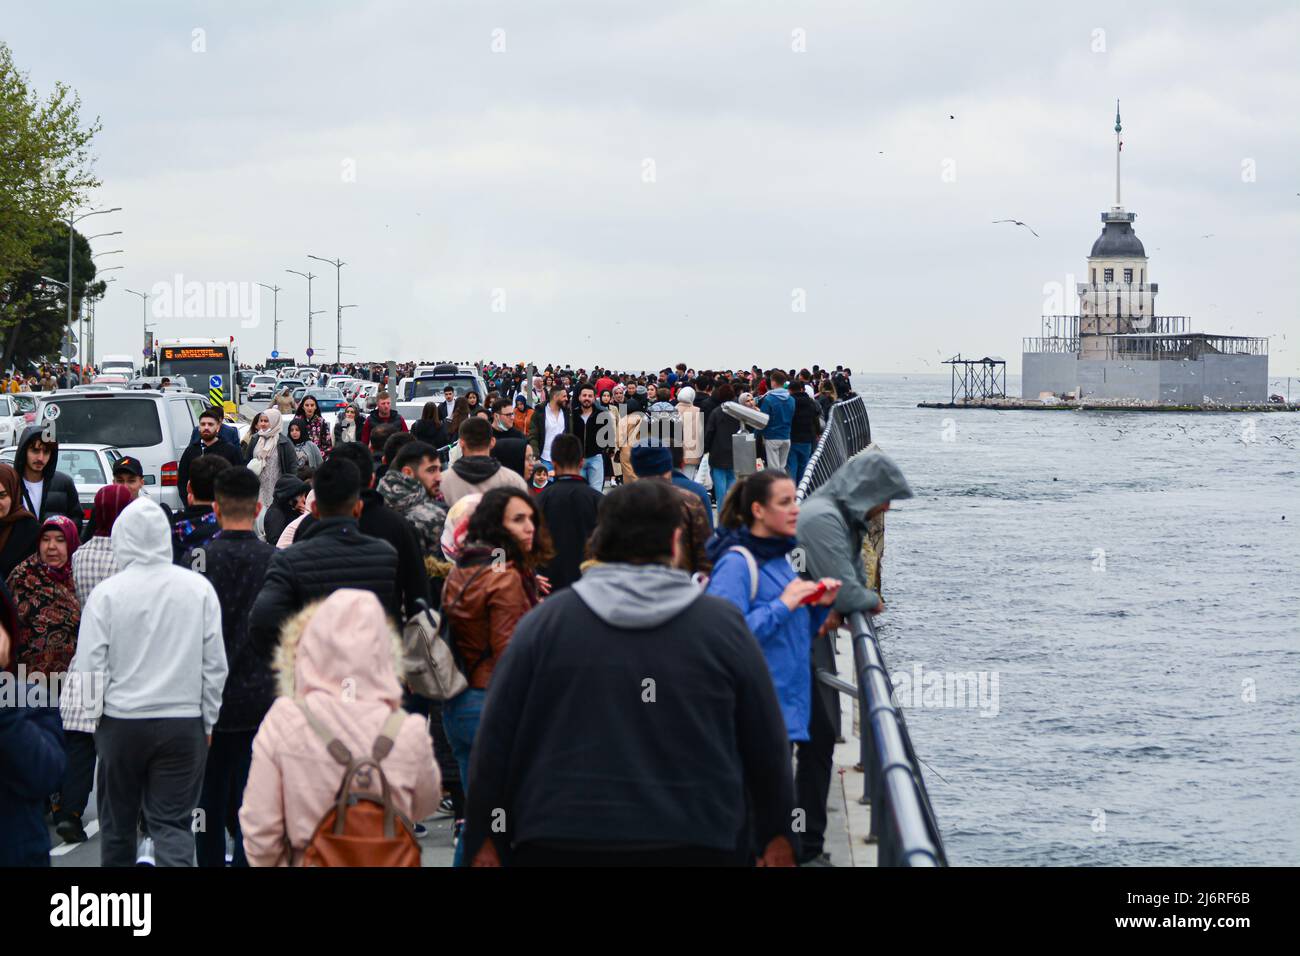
point(752, 570)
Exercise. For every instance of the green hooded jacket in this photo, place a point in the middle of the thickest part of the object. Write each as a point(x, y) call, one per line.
point(833, 522)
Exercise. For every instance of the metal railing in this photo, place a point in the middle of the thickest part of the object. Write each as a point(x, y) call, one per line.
point(903, 823)
point(846, 433)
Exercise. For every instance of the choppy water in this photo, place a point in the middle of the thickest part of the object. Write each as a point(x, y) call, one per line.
point(1162, 691)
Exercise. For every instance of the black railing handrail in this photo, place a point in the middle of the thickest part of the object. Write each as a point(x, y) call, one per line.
point(902, 818)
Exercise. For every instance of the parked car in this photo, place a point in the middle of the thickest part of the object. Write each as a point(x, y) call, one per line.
point(12, 419)
point(261, 386)
point(110, 379)
point(429, 388)
point(89, 466)
point(150, 425)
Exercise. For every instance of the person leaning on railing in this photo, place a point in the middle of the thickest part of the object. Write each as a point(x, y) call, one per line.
point(834, 522)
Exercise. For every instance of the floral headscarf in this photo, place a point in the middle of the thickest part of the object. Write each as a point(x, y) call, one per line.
point(65, 526)
point(46, 602)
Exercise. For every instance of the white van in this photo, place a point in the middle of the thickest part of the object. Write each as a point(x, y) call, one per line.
point(117, 365)
point(154, 427)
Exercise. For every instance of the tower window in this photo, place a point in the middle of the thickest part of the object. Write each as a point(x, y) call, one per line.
point(1108, 275)
point(1128, 275)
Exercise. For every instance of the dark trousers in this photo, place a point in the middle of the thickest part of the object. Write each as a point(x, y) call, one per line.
point(815, 759)
point(154, 765)
point(413, 703)
point(224, 777)
point(74, 792)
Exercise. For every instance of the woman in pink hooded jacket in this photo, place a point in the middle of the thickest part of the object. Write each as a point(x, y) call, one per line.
point(341, 657)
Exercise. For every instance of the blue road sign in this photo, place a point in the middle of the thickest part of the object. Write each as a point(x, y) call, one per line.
point(275, 355)
point(310, 353)
point(214, 381)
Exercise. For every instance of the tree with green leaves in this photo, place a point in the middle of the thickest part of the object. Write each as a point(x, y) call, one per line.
point(45, 170)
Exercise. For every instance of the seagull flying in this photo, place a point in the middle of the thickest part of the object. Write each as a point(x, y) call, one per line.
point(1018, 223)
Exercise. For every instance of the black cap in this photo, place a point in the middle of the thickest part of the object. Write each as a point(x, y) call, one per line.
point(129, 465)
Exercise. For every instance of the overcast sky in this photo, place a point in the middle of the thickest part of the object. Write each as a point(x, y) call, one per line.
point(456, 179)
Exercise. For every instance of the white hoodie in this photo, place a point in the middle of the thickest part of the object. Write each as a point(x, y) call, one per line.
point(153, 629)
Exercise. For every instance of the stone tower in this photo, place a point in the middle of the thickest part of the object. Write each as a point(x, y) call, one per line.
point(1118, 296)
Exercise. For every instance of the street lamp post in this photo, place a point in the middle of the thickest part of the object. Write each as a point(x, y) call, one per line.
point(338, 265)
point(144, 319)
point(275, 315)
point(90, 322)
point(90, 239)
point(308, 276)
point(71, 220)
point(92, 316)
point(339, 361)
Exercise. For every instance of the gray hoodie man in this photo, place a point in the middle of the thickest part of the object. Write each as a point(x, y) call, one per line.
point(833, 522)
point(153, 632)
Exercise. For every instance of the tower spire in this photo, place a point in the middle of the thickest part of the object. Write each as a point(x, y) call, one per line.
point(1119, 147)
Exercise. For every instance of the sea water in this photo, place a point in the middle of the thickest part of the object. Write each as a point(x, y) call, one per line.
point(1132, 582)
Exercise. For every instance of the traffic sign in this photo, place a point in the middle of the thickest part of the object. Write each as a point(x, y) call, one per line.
point(310, 353)
point(275, 355)
point(214, 381)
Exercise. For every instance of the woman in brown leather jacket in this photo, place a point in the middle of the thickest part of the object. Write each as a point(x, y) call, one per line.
point(493, 585)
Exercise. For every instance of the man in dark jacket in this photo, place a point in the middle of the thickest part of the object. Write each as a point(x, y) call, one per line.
point(235, 563)
point(657, 660)
point(382, 415)
point(198, 522)
point(510, 441)
point(209, 443)
point(332, 553)
point(805, 426)
point(45, 490)
point(569, 505)
point(590, 422)
point(32, 759)
point(380, 521)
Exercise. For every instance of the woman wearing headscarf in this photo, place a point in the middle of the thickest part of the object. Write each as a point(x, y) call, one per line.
point(94, 561)
point(19, 528)
point(306, 455)
point(271, 455)
point(48, 611)
point(337, 662)
point(318, 430)
point(254, 429)
point(348, 427)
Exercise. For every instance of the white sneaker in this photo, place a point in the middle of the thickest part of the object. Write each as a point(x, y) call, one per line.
point(144, 855)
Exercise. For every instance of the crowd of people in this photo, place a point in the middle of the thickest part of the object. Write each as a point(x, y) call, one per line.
point(636, 646)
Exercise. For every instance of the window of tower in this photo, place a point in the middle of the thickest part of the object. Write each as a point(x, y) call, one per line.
point(1108, 275)
point(1128, 275)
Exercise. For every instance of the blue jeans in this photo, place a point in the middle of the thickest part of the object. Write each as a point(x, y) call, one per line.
point(460, 719)
point(800, 452)
point(723, 479)
point(593, 470)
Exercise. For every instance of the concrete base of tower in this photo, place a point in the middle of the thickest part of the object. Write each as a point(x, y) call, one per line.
point(1209, 380)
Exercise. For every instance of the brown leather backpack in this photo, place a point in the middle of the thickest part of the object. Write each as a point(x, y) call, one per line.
point(362, 828)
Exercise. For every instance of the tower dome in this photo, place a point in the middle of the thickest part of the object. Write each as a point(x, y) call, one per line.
point(1117, 239)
